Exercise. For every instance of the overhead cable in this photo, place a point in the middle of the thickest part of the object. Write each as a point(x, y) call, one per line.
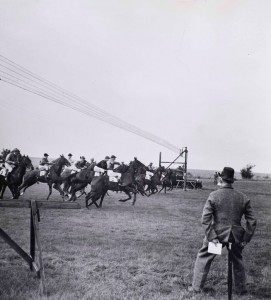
point(18, 76)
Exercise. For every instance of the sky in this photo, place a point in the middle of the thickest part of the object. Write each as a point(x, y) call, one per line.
point(195, 73)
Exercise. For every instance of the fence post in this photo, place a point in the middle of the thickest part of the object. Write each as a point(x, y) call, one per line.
point(185, 169)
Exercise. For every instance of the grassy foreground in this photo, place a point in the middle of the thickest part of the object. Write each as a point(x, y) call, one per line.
point(146, 251)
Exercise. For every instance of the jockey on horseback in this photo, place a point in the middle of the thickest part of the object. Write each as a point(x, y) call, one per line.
point(101, 166)
point(12, 160)
point(150, 170)
point(44, 165)
point(92, 163)
point(111, 166)
point(103, 163)
point(72, 167)
point(150, 167)
point(81, 164)
point(71, 161)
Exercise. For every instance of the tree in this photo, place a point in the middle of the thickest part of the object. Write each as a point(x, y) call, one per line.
point(246, 172)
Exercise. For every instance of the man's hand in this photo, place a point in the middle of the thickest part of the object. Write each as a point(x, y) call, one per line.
point(215, 241)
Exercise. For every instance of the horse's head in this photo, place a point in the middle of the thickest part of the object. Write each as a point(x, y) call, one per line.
point(121, 169)
point(28, 162)
point(160, 170)
point(136, 164)
point(62, 161)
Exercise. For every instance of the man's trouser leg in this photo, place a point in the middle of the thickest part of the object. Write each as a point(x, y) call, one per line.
point(238, 269)
point(202, 266)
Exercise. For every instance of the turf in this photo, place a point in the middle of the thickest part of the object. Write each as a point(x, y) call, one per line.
point(146, 251)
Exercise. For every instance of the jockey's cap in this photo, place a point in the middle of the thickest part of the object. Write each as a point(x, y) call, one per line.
point(45, 154)
point(69, 154)
point(113, 156)
point(107, 157)
point(15, 150)
point(82, 157)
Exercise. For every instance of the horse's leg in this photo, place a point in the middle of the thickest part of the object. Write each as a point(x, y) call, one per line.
point(50, 190)
point(16, 193)
point(163, 186)
point(88, 196)
point(57, 187)
point(128, 194)
point(91, 196)
point(134, 201)
point(66, 188)
point(2, 190)
point(94, 200)
point(102, 198)
point(26, 184)
point(4, 186)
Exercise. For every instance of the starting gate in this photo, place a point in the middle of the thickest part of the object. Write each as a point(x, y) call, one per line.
point(183, 153)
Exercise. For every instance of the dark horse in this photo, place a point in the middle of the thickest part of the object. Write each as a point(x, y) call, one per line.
point(53, 179)
point(15, 178)
point(167, 181)
point(154, 181)
point(128, 184)
point(77, 181)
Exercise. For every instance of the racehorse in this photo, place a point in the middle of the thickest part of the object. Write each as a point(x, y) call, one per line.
point(53, 179)
point(77, 181)
point(167, 181)
point(128, 184)
point(154, 181)
point(15, 178)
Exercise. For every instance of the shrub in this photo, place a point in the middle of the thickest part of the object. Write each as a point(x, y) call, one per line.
point(246, 172)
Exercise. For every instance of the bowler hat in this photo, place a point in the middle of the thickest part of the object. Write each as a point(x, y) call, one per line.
point(107, 157)
point(113, 156)
point(69, 154)
point(45, 154)
point(227, 174)
point(15, 150)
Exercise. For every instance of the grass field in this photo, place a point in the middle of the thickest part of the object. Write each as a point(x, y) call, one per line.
point(146, 251)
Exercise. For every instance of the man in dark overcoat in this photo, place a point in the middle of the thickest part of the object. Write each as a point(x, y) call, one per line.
point(221, 220)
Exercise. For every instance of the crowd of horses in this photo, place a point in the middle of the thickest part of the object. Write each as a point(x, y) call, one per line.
point(133, 180)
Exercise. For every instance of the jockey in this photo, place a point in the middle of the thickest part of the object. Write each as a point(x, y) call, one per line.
point(72, 168)
point(112, 162)
point(103, 163)
point(12, 159)
point(44, 165)
point(81, 164)
point(111, 166)
point(150, 167)
point(71, 161)
point(92, 163)
point(149, 172)
point(101, 166)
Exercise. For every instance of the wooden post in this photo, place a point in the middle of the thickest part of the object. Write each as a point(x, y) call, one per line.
point(160, 157)
point(34, 233)
point(185, 168)
point(34, 215)
point(32, 239)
